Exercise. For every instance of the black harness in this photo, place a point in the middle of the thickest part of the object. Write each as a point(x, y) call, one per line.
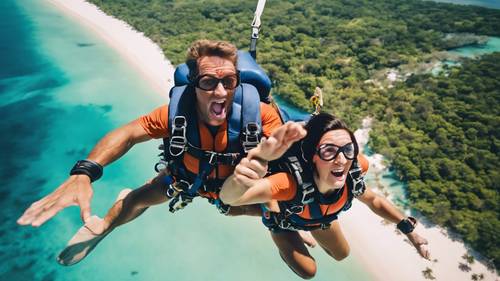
point(308, 195)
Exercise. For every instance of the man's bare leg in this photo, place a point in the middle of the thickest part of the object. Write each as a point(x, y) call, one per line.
point(124, 210)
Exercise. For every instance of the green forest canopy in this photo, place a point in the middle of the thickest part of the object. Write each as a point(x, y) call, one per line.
point(440, 133)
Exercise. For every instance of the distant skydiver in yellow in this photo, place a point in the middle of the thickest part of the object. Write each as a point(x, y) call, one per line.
point(314, 181)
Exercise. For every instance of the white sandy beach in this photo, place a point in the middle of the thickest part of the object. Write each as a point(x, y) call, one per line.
point(377, 246)
point(138, 49)
point(388, 254)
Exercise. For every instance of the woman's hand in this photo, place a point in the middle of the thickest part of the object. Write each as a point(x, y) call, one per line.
point(419, 243)
point(278, 142)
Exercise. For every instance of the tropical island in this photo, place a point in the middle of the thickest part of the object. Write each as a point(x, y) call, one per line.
point(438, 131)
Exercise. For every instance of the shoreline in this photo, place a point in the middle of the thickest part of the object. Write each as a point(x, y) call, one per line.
point(391, 256)
point(388, 258)
point(140, 51)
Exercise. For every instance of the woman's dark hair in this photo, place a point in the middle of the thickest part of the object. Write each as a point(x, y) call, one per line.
point(316, 127)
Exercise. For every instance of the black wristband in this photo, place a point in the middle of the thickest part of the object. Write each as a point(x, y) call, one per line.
point(407, 225)
point(87, 167)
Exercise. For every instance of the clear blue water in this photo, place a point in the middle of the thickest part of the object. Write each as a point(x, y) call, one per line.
point(494, 4)
point(493, 45)
point(62, 88)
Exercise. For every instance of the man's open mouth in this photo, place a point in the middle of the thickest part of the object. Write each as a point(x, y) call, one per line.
point(218, 109)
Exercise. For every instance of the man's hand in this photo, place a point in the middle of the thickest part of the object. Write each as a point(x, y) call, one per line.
point(76, 190)
point(419, 243)
point(247, 171)
point(278, 142)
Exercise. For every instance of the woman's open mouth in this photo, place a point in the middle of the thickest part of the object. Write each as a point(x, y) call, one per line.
point(338, 174)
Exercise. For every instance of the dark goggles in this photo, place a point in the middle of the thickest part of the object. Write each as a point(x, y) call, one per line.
point(208, 82)
point(329, 151)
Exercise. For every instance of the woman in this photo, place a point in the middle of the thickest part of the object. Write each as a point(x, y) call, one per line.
point(313, 180)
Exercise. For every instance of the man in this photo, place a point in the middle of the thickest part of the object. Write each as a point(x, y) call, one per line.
point(213, 82)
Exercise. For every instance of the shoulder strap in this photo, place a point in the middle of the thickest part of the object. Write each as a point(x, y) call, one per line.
point(183, 130)
point(355, 180)
point(244, 124)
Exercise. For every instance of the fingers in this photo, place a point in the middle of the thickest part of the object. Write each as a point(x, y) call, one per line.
point(426, 254)
point(423, 251)
point(252, 169)
point(47, 214)
point(85, 210)
point(76, 190)
point(34, 211)
point(420, 244)
point(295, 131)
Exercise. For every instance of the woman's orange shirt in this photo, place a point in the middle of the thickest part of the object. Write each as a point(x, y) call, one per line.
point(284, 186)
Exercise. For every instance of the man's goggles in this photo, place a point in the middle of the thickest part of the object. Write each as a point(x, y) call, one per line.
point(208, 82)
point(329, 151)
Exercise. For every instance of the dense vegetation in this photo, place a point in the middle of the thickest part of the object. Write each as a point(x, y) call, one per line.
point(442, 136)
point(440, 132)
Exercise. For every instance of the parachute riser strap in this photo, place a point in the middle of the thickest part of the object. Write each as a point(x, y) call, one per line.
point(256, 28)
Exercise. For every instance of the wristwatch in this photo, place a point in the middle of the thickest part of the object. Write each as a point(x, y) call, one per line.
point(407, 225)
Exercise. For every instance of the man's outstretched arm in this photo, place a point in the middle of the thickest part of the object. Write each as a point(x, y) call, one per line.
point(77, 189)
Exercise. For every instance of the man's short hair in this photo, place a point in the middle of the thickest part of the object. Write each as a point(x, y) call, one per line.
point(204, 48)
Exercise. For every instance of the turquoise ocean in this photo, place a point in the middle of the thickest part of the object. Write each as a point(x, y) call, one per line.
point(62, 88)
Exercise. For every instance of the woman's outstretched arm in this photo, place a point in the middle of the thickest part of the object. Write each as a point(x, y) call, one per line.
point(385, 209)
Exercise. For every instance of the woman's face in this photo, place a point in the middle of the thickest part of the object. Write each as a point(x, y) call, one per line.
point(332, 174)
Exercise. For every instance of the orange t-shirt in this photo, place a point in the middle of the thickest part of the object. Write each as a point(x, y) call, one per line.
point(156, 122)
point(284, 187)
point(156, 125)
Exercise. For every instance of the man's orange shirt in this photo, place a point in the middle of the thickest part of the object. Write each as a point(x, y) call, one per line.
point(156, 125)
point(284, 186)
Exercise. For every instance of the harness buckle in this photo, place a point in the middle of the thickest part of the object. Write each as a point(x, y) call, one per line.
point(177, 187)
point(180, 201)
point(212, 157)
point(296, 209)
point(325, 226)
point(251, 136)
point(223, 208)
point(307, 188)
point(358, 183)
point(178, 139)
point(161, 165)
point(284, 224)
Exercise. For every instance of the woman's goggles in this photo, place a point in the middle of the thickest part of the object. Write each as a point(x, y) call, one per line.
point(329, 151)
point(208, 82)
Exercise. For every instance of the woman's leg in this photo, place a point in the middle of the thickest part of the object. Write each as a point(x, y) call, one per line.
point(332, 240)
point(295, 254)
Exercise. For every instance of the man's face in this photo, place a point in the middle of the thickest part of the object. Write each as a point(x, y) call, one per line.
point(213, 106)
